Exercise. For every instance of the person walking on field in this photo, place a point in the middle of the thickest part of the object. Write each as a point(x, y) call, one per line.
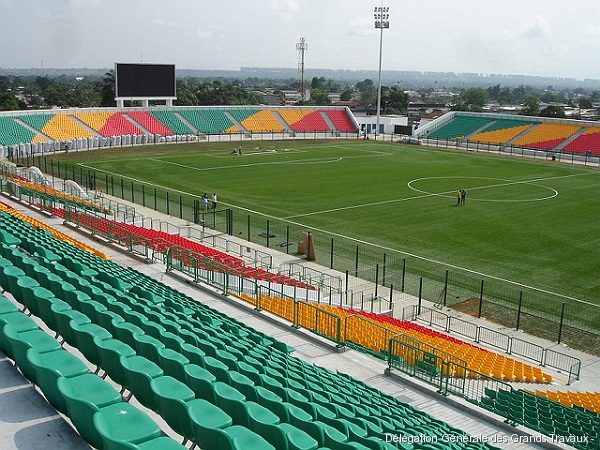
point(463, 197)
point(214, 201)
point(459, 197)
point(205, 201)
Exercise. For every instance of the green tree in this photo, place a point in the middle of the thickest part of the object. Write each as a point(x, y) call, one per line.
point(319, 97)
point(553, 111)
point(394, 100)
point(346, 94)
point(107, 93)
point(585, 103)
point(531, 106)
point(8, 102)
point(365, 86)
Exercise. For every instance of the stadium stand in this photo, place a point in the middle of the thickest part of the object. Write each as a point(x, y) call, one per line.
point(547, 135)
point(249, 381)
point(587, 141)
point(108, 123)
point(304, 120)
point(172, 122)
point(12, 133)
point(261, 122)
point(501, 131)
point(577, 425)
point(341, 121)
point(150, 123)
point(209, 121)
point(462, 127)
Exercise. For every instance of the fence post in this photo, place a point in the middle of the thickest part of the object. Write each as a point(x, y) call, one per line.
point(180, 207)
point(155, 201)
point(248, 236)
point(519, 310)
point(122, 189)
point(331, 258)
point(480, 300)
point(347, 280)
point(132, 194)
point(562, 318)
point(391, 297)
point(446, 287)
point(287, 239)
point(376, 279)
point(356, 263)
point(420, 296)
point(143, 195)
point(167, 192)
point(384, 266)
point(403, 274)
point(268, 231)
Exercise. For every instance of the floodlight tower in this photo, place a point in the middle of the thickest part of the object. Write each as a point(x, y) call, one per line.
point(301, 46)
point(382, 21)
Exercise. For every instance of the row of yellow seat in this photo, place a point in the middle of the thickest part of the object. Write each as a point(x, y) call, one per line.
point(376, 337)
point(587, 400)
point(57, 234)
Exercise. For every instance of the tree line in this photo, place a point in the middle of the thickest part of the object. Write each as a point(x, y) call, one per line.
point(67, 91)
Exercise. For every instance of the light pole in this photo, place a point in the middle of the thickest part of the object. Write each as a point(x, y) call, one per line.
point(382, 21)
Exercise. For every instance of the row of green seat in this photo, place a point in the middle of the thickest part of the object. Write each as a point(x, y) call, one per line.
point(544, 415)
point(322, 395)
point(95, 408)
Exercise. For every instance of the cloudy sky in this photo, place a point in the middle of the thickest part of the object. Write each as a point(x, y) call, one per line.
point(526, 37)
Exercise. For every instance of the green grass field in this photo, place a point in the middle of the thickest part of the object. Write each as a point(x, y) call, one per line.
point(531, 222)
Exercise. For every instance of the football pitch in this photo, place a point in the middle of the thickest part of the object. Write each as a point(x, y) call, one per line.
point(533, 223)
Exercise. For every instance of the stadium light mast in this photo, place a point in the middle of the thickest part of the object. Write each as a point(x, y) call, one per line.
point(382, 22)
point(301, 46)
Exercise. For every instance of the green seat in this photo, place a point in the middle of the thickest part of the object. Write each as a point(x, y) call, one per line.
point(161, 443)
point(84, 396)
point(48, 306)
point(125, 331)
point(231, 401)
point(26, 296)
point(6, 306)
point(193, 354)
point(122, 425)
point(8, 239)
point(17, 344)
point(85, 334)
point(272, 402)
point(19, 321)
point(110, 352)
point(139, 372)
point(173, 363)
point(172, 397)
point(243, 384)
point(200, 381)
point(217, 368)
point(213, 431)
point(148, 347)
point(49, 367)
point(64, 319)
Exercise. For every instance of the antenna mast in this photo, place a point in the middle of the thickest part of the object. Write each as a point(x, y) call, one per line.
point(301, 46)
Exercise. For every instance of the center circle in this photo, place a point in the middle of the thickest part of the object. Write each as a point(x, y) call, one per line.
point(483, 189)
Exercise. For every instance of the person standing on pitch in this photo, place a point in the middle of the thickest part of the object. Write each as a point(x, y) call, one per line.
point(459, 197)
point(463, 197)
point(205, 201)
point(213, 199)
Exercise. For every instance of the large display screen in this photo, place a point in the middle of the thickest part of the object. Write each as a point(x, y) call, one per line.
point(145, 80)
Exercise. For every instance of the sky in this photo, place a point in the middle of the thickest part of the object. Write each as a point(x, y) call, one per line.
point(552, 38)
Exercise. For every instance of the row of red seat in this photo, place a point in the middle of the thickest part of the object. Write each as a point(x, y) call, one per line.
point(160, 241)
